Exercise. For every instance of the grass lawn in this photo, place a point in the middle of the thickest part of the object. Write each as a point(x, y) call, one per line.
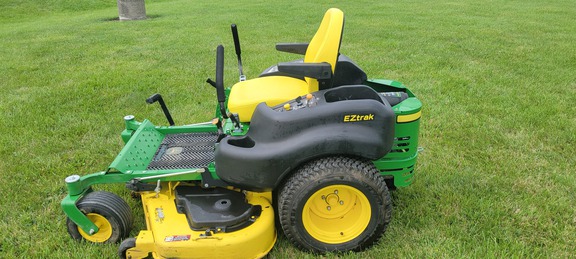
point(497, 79)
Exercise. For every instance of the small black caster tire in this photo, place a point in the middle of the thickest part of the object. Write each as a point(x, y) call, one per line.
point(125, 245)
point(110, 213)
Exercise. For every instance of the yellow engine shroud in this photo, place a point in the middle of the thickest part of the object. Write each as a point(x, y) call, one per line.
point(168, 234)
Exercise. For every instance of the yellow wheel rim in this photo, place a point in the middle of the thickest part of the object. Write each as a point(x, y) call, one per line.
point(104, 229)
point(336, 214)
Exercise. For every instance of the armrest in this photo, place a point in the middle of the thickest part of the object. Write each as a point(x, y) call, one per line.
point(295, 48)
point(320, 71)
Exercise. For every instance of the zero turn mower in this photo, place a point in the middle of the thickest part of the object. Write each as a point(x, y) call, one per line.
point(310, 144)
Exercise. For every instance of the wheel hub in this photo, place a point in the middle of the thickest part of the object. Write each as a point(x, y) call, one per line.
point(336, 214)
point(104, 229)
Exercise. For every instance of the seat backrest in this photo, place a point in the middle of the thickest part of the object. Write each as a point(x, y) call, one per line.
point(325, 45)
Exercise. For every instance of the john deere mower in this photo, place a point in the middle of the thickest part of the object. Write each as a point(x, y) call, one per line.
point(311, 146)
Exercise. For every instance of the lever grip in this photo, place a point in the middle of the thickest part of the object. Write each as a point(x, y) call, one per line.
point(220, 74)
point(153, 98)
point(236, 38)
point(158, 98)
point(212, 83)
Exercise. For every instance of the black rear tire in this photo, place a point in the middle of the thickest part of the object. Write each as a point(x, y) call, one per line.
point(109, 212)
point(335, 204)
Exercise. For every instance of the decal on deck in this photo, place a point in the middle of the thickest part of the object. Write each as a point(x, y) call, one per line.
point(177, 238)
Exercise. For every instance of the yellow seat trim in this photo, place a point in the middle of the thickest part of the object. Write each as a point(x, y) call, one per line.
point(325, 44)
point(271, 90)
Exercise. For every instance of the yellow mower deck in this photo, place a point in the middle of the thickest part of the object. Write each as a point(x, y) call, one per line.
point(169, 235)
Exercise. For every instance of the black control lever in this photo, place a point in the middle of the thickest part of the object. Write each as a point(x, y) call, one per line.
point(234, 118)
point(219, 83)
point(238, 52)
point(158, 98)
point(212, 83)
point(218, 124)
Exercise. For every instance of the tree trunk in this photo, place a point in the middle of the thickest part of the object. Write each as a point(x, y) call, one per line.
point(131, 10)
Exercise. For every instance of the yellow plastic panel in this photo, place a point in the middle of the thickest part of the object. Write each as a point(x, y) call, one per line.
point(272, 90)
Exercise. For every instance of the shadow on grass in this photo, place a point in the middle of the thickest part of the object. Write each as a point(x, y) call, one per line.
point(117, 19)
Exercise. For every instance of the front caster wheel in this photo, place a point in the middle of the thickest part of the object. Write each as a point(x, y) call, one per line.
point(110, 213)
point(334, 204)
point(125, 245)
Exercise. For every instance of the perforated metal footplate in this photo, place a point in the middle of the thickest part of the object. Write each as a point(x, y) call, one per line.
point(184, 150)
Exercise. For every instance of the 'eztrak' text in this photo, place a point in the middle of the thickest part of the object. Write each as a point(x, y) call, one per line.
point(358, 117)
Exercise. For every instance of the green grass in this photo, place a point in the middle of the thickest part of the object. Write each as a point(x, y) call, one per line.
point(496, 177)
